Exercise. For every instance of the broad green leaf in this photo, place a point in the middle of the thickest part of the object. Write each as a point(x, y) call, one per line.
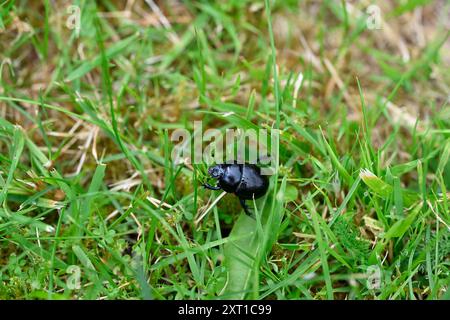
point(239, 255)
point(250, 240)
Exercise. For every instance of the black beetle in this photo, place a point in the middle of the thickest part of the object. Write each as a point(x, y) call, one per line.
point(244, 180)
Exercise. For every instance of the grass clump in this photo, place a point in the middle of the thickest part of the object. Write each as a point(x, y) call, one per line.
point(92, 206)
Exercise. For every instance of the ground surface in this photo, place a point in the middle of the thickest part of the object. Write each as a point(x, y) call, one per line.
point(92, 206)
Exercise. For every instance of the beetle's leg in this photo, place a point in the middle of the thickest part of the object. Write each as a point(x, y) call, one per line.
point(210, 187)
point(247, 211)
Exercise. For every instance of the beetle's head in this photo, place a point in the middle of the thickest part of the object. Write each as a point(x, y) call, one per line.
point(217, 171)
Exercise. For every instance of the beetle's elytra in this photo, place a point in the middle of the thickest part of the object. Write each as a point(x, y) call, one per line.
point(244, 180)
